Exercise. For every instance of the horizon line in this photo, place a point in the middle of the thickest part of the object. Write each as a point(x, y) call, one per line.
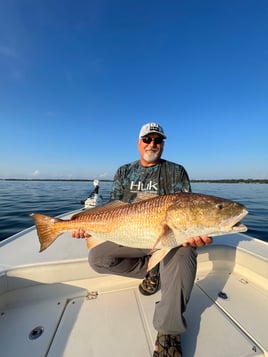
point(234, 180)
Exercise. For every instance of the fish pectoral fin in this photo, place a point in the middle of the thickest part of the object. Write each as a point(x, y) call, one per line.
point(163, 236)
point(93, 242)
point(157, 256)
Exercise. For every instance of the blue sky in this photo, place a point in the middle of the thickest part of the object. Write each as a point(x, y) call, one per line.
point(79, 78)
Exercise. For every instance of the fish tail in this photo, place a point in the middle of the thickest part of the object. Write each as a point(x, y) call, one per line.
point(46, 229)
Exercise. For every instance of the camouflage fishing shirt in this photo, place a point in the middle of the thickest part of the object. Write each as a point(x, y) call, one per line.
point(164, 178)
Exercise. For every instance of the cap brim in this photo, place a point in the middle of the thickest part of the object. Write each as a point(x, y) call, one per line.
point(153, 132)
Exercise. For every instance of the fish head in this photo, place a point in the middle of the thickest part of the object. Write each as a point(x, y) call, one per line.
point(196, 214)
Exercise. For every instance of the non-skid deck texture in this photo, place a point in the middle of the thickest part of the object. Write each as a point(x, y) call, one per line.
point(118, 320)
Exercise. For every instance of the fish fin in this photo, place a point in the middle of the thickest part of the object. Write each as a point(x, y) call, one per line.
point(92, 242)
point(108, 206)
point(164, 236)
point(46, 229)
point(157, 242)
point(157, 256)
point(141, 196)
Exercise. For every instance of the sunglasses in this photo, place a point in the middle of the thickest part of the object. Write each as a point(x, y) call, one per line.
point(148, 140)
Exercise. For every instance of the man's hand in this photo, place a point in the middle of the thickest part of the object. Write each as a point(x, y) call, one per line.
point(80, 233)
point(198, 241)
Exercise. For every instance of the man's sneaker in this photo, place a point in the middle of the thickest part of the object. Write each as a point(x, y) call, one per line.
point(150, 284)
point(167, 345)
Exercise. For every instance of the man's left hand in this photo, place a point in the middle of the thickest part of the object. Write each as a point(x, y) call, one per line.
point(198, 241)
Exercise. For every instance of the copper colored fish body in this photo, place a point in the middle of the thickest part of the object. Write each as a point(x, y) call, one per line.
point(158, 223)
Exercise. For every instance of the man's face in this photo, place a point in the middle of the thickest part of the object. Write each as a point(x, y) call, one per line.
point(150, 148)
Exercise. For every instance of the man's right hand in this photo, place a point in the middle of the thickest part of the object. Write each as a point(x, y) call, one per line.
point(199, 241)
point(80, 233)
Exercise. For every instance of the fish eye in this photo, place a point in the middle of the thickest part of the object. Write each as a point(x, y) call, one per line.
point(220, 206)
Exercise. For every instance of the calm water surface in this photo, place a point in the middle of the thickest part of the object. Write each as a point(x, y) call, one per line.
point(18, 199)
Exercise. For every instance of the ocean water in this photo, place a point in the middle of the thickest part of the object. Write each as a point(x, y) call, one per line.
point(18, 199)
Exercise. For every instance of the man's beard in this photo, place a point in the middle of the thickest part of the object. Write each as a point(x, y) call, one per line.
point(151, 156)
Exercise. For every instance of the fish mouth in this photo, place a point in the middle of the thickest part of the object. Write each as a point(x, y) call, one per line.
point(233, 225)
point(238, 227)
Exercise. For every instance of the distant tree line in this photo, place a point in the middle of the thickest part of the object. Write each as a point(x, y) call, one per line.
point(233, 181)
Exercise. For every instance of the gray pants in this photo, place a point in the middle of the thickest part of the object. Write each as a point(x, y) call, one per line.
point(177, 274)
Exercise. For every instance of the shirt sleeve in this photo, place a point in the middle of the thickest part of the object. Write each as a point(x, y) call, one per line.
point(183, 180)
point(174, 178)
point(117, 191)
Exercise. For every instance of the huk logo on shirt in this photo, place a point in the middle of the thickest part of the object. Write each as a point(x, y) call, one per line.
point(139, 186)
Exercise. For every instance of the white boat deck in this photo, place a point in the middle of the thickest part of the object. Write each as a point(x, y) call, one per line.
point(79, 312)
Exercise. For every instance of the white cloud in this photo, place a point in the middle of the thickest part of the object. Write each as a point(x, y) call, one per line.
point(36, 173)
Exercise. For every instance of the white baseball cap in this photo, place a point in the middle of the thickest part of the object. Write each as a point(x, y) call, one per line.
point(151, 128)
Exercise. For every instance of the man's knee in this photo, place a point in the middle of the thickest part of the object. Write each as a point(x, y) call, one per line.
point(100, 262)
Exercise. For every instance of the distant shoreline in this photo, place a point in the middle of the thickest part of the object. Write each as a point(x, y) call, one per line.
point(232, 181)
point(262, 181)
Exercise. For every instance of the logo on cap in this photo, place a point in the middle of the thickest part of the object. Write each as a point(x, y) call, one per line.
point(151, 128)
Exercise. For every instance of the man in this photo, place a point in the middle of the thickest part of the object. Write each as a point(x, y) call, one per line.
point(177, 270)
